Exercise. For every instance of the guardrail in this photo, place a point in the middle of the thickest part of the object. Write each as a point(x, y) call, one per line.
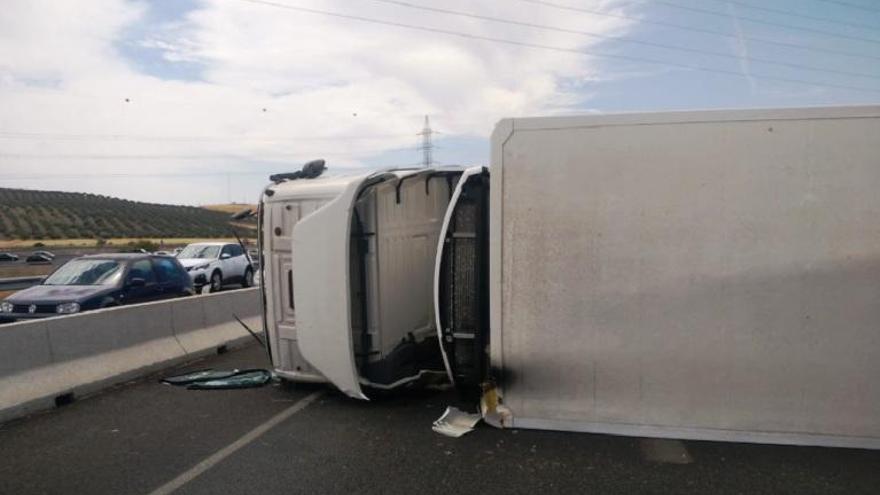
point(19, 283)
point(48, 362)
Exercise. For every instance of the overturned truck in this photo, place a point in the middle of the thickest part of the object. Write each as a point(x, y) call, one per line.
point(705, 275)
point(360, 252)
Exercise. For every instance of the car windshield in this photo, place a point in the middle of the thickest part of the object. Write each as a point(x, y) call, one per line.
point(199, 251)
point(86, 272)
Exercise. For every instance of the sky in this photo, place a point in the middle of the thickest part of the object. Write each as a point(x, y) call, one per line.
point(199, 101)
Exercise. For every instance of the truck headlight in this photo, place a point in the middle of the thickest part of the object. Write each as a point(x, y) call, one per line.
point(67, 308)
point(6, 307)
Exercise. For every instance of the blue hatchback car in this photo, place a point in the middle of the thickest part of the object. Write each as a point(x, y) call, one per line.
point(100, 281)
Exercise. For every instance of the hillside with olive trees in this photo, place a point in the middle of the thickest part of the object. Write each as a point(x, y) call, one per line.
point(44, 215)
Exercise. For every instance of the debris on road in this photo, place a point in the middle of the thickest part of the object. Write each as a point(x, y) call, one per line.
point(209, 379)
point(197, 375)
point(455, 422)
point(494, 412)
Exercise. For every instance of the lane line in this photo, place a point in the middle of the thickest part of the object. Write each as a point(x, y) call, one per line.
point(230, 449)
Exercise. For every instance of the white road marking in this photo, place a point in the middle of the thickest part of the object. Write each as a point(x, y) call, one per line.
point(665, 450)
point(230, 449)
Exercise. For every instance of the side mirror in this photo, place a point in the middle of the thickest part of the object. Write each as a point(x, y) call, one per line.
point(225, 256)
point(137, 282)
point(246, 213)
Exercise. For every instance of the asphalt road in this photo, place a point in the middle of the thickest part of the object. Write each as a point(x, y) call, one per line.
point(143, 437)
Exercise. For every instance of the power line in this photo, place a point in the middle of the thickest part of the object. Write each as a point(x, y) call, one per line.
point(795, 14)
point(124, 175)
point(622, 38)
point(25, 156)
point(129, 137)
point(555, 48)
point(256, 154)
point(696, 29)
point(767, 23)
point(118, 175)
point(850, 5)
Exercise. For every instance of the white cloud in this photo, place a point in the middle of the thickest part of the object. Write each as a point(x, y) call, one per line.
point(42, 39)
point(61, 72)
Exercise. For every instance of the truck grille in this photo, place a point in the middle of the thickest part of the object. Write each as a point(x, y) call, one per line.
point(464, 272)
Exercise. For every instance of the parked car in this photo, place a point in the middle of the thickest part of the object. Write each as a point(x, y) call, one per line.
point(100, 281)
point(8, 257)
point(38, 258)
point(215, 264)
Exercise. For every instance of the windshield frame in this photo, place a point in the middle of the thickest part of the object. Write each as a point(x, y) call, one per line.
point(199, 251)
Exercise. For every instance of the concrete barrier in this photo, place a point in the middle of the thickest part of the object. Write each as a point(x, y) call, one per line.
point(19, 283)
point(53, 360)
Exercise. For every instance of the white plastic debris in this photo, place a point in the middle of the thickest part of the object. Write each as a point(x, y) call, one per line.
point(455, 423)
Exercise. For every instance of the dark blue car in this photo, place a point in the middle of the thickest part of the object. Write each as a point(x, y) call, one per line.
point(100, 281)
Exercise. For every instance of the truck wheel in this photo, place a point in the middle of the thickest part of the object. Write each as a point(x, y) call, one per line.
point(216, 282)
point(248, 278)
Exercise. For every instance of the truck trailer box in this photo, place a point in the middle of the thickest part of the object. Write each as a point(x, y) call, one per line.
point(704, 275)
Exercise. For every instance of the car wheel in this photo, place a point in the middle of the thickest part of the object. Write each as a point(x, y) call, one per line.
point(216, 282)
point(248, 278)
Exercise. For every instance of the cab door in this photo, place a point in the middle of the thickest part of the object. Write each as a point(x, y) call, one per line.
point(241, 261)
point(172, 280)
point(141, 283)
point(228, 264)
point(320, 258)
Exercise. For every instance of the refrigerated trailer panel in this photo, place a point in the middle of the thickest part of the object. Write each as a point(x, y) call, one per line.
point(706, 275)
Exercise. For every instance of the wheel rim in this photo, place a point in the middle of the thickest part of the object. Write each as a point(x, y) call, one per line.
point(249, 278)
point(215, 282)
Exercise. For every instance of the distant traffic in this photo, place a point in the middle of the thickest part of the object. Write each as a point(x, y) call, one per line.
point(103, 280)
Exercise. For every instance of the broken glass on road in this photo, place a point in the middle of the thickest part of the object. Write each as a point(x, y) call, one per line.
point(210, 379)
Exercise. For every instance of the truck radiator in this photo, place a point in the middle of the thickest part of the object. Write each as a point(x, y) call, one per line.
point(464, 278)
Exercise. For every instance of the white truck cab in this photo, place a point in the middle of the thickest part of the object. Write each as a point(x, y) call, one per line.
point(323, 241)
